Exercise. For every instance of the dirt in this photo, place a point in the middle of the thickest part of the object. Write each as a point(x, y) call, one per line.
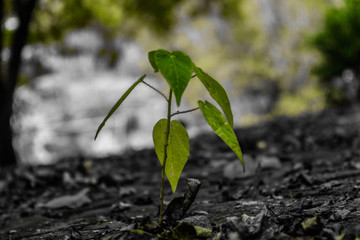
point(302, 182)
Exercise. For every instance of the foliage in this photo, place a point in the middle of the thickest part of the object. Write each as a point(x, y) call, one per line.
point(339, 45)
point(170, 138)
point(54, 18)
point(176, 67)
point(245, 48)
point(177, 149)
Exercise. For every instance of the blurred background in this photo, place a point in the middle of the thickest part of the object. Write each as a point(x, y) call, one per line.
point(274, 57)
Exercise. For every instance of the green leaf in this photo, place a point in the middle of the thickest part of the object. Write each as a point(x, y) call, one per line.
point(176, 67)
point(178, 153)
point(151, 56)
point(159, 138)
point(217, 92)
point(309, 223)
point(221, 127)
point(177, 149)
point(118, 103)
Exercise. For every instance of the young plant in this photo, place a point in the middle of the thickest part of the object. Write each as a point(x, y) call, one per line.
point(171, 140)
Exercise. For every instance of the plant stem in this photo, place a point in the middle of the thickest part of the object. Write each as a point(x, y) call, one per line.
point(181, 112)
point(165, 157)
point(155, 89)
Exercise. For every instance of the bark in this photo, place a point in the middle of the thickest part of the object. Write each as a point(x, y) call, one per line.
point(24, 9)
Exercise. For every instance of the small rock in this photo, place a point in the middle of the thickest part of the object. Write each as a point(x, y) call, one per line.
point(67, 179)
point(247, 226)
point(127, 191)
point(2, 186)
point(218, 163)
point(198, 220)
point(232, 219)
point(340, 215)
point(269, 162)
point(200, 212)
point(253, 224)
point(234, 236)
point(235, 170)
point(121, 206)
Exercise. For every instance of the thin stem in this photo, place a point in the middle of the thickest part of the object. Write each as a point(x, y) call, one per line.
point(165, 157)
point(156, 90)
point(193, 76)
point(181, 112)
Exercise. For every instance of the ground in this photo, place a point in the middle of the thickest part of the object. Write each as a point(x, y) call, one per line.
point(302, 181)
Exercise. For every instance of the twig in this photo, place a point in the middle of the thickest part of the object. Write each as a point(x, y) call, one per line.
point(181, 112)
point(156, 90)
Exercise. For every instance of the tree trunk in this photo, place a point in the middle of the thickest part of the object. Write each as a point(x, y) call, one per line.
point(24, 9)
point(6, 148)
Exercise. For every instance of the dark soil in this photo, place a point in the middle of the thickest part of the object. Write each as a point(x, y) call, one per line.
point(302, 182)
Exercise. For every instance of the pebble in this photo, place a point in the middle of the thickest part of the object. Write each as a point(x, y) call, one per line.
point(198, 220)
point(234, 169)
point(127, 191)
point(200, 212)
point(268, 162)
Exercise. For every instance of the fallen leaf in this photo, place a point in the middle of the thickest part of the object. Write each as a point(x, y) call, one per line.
point(70, 201)
point(309, 223)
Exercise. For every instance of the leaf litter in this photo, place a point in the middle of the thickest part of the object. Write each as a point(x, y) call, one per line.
point(304, 183)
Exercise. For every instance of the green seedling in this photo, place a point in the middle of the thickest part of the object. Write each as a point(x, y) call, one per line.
point(171, 140)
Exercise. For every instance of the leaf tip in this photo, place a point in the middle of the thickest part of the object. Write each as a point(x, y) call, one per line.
point(242, 163)
point(95, 136)
point(98, 130)
point(97, 133)
point(178, 102)
point(173, 188)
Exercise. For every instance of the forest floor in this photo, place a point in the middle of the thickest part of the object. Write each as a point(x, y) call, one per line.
point(302, 182)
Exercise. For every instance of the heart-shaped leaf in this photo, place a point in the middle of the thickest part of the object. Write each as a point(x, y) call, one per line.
point(217, 92)
point(221, 127)
point(176, 67)
point(177, 149)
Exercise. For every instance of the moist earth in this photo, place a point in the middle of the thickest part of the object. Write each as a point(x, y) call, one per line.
point(302, 181)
